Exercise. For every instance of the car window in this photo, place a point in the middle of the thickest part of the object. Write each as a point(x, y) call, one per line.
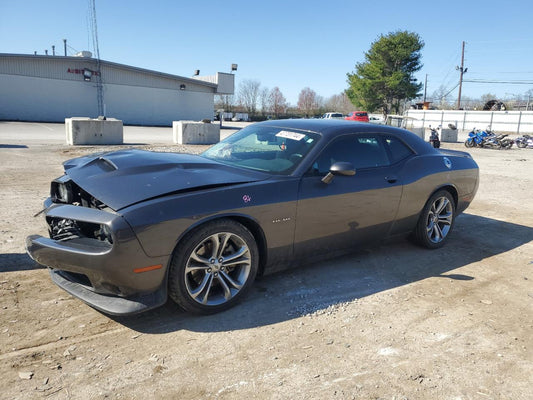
point(264, 148)
point(363, 151)
point(398, 150)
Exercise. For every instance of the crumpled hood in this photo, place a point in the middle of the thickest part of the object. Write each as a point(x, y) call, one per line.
point(122, 178)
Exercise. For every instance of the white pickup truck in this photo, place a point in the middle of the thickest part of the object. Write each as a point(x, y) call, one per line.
point(333, 115)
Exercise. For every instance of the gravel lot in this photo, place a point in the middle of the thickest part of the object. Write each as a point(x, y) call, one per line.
point(389, 322)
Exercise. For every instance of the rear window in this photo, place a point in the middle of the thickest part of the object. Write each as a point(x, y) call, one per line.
point(363, 114)
point(398, 150)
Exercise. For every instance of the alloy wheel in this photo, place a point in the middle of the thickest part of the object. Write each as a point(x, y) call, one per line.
point(439, 219)
point(217, 269)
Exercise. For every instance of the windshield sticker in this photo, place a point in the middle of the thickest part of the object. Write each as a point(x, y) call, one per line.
point(290, 135)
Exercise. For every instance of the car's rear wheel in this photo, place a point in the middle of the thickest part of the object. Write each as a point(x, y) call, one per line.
point(213, 267)
point(436, 220)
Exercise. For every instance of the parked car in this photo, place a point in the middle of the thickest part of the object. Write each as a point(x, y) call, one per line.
point(357, 116)
point(130, 228)
point(333, 115)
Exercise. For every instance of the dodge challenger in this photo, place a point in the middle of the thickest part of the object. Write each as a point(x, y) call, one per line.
point(129, 229)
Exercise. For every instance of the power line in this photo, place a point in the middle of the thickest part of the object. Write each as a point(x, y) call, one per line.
point(519, 82)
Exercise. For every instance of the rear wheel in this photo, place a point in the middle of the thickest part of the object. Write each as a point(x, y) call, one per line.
point(436, 220)
point(213, 267)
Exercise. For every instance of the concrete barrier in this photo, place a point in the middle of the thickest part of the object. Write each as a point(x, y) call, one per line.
point(448, 135)
point(81, 131)
point(193, 132)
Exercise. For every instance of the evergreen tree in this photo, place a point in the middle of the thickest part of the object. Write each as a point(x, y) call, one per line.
point(385, 78)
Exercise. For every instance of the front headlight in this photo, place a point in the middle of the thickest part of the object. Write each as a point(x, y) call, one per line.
point(61, 190)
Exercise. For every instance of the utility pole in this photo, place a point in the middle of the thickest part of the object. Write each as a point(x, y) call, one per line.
point(425, 88)
point(462, 70)
point(65, 46)
point(53, 50)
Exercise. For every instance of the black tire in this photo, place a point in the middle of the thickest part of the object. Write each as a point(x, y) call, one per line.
point(213, 267)
point(507, 144)
point(521, 144)
point(436, 221)
point(469, 143)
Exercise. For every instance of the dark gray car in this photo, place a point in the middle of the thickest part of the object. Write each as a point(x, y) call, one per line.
point(129, 228)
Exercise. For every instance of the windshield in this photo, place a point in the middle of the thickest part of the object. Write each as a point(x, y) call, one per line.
point(264, 148)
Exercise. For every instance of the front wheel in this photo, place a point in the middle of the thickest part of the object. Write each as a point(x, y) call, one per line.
point(436, 220)
point(213, 267)
point(469, 143)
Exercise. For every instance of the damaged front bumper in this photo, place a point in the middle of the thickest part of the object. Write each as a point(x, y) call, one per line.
point(95, 256)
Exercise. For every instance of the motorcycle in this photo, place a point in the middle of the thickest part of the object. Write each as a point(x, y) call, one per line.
point(434, 138)
point(475, 138)
point(505, 142)
point(524, 141)
point(491, 141)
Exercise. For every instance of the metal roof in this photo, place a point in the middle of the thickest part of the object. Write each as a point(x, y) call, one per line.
point(110, 64)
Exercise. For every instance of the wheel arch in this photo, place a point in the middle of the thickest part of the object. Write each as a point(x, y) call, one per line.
point(248, 222)
point(450, 189)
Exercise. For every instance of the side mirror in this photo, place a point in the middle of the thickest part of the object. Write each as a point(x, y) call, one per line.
point(339, 168)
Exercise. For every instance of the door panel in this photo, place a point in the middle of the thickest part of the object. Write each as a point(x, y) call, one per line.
point(351, 210)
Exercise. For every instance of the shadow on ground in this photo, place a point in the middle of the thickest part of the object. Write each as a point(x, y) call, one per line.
point(11, 262)
point(316, 287)
point(13, 146)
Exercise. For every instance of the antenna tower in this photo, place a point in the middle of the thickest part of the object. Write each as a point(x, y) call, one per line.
point(94, 32)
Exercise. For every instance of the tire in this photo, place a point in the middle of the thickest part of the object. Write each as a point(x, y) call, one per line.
point(521, 144)
point(507, 144)
point(469, 143)
point(436, 220)
point(213, 267)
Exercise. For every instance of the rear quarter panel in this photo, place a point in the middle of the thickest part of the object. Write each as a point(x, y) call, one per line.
point(424, 175)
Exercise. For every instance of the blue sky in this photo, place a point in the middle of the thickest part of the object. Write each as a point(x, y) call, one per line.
point(288, 44)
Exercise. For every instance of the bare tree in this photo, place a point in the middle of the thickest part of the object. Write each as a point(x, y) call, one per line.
point(340, 103)
point(249, 95)
point(264, 97)
point(225, 102)
point(277, 102)
point(441, 98)
point(307, 101)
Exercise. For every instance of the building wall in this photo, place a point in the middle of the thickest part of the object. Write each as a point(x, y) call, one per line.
point(24, 98)
point(45, 88)
point(139, 105)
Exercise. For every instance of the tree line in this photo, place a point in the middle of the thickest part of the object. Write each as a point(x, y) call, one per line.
point(383, 83)
point(261, 102)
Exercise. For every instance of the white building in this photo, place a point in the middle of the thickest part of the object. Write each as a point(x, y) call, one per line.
point(52, 88)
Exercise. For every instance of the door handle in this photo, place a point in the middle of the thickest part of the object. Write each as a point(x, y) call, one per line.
point(391, 178)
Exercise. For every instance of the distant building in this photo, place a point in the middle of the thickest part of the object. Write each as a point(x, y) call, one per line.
point(52, 88)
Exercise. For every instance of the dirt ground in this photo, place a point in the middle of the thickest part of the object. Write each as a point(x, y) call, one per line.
point(389, 322)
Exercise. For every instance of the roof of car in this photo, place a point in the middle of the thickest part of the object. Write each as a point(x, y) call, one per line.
point(329, 128)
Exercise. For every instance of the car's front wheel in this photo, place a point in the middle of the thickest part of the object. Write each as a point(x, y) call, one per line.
point(213, 267)
point(436, 220)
